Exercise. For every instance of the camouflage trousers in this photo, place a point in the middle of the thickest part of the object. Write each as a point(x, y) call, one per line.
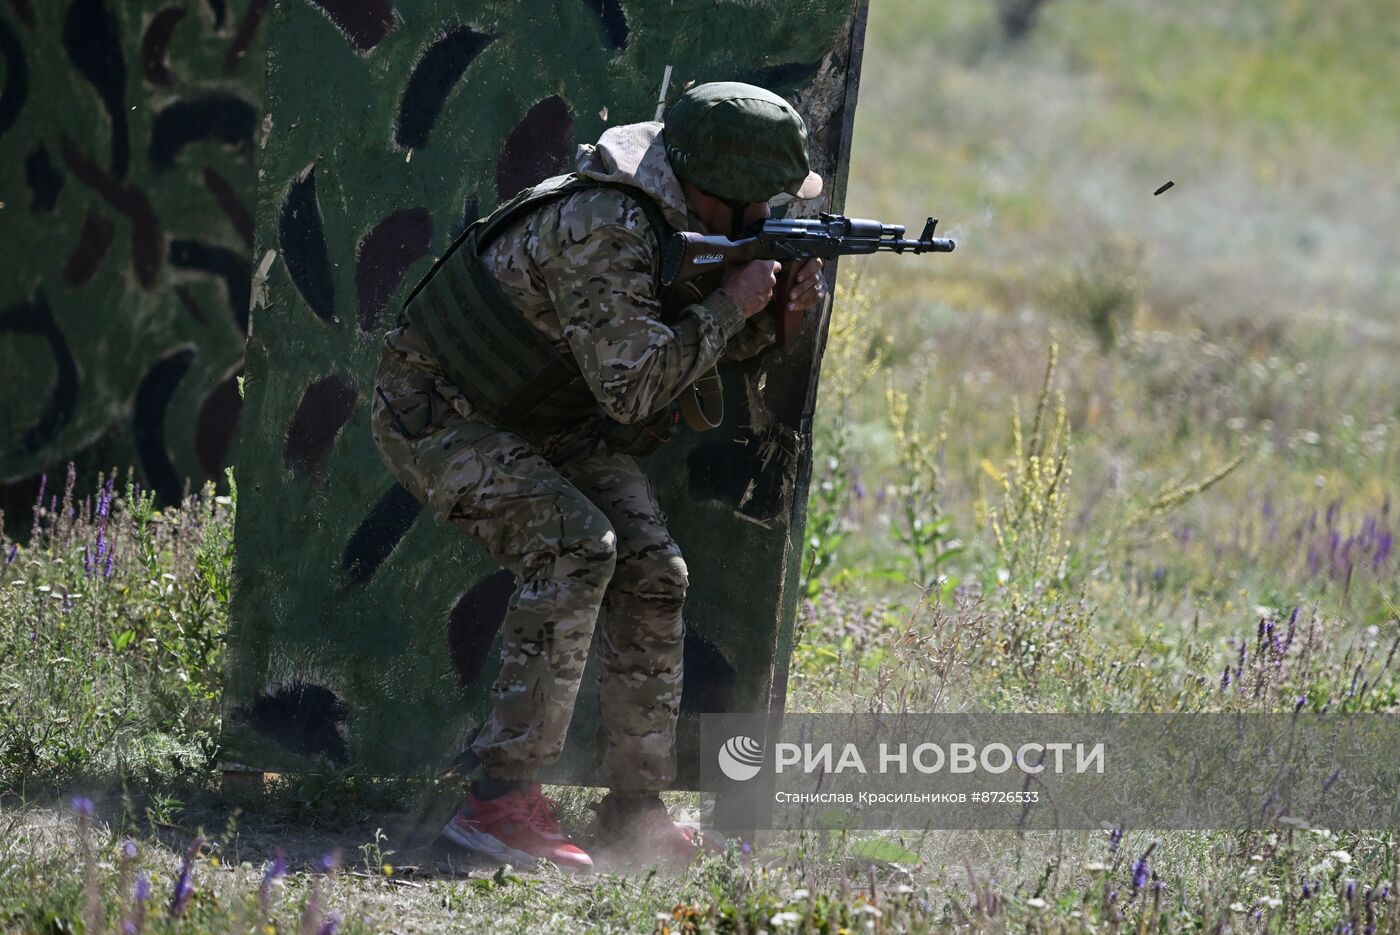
point(577, 534)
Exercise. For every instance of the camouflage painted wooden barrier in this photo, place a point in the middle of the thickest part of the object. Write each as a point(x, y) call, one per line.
point(126, 176)
point(362, 632)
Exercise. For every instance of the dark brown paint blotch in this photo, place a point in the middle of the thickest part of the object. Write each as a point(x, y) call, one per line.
point(216, 426)
point(324, 409)
point(364, 23)
point(155, 46)
point(383, 257)
point(93, 243)
point(537, 148)
point(475, 620)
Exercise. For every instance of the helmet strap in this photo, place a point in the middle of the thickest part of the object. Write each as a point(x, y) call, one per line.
point(737, 210)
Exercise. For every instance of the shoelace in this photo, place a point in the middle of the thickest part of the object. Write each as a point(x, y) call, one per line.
point(538, 811)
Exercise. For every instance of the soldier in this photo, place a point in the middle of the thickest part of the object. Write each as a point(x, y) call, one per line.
point(531, 363)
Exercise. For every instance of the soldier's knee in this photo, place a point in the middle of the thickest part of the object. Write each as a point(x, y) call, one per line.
point(675, 576)
point(661, 576)
point(587, 546)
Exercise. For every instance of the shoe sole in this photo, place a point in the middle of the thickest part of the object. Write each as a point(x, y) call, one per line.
point(479, 842)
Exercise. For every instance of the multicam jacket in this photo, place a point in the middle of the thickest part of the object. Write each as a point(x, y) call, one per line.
point(582, 269)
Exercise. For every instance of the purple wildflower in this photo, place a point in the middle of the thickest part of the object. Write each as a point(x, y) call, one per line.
point(104, 502)
point(82, 807)
point(1299, 703)
point(1350, 890)
point(184, 884)
point(12, 553)
point(1141, 873)
point(129, 849)
point(107, 566)
point(1225, 679)
point(1307, 890)
point(1115, 837)
point(328, 862)
point(1383, 548)
point(140, 895)
point(274, 872)
point(38, 509)
point(331, 925)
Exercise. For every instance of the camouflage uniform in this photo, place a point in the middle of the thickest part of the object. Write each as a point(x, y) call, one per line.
point(577, 524)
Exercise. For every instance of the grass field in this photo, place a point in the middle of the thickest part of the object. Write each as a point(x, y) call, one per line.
point(1212, 373)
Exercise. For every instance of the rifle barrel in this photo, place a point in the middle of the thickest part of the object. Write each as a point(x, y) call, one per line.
point(932, 245)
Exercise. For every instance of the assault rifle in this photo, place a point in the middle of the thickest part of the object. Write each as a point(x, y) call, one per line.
point(689, 257)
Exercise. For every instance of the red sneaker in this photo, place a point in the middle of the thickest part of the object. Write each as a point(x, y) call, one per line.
point(519, 827)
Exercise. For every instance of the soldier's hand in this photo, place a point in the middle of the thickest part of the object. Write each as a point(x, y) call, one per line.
point(751, 284)
point(808, 286)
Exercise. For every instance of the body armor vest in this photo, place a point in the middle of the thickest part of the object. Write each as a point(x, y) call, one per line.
point(505, 366)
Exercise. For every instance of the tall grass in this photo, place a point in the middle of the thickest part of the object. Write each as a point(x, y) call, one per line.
point(111, 635)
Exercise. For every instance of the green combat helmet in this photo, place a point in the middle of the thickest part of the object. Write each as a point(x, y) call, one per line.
point(740, 143)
